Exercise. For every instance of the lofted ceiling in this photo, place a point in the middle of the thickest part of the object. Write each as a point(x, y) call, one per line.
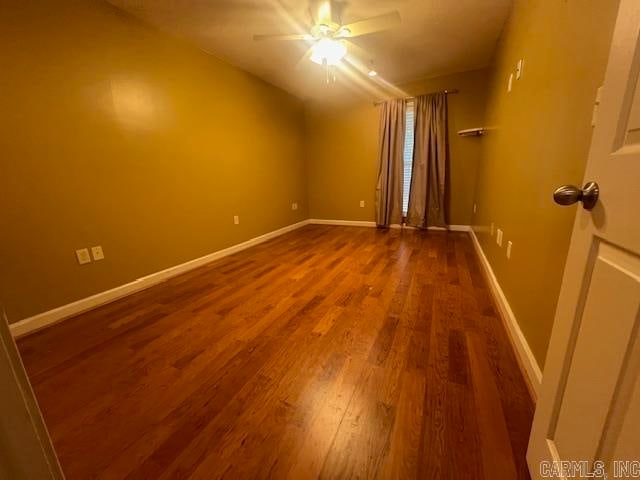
point(434, 37)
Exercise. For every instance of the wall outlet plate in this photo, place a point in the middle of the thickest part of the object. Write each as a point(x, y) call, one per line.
point(236, 220)
point(83, 256)
point(361, 203)
point(97, 253)
point(499, 238)
point(294, 206)
point(509, 245)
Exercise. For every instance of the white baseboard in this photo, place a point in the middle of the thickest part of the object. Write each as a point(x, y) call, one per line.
point(45, 319)
point(525, 356)
point(453, 228)
point(344, 223)
point(366, 223)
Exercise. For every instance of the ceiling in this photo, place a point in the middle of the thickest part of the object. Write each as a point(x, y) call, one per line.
point(435, 37)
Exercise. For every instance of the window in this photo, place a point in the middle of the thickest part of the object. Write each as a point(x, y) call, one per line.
point(408, 156)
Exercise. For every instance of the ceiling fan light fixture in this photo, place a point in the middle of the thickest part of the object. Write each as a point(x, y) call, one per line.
point(327, 51)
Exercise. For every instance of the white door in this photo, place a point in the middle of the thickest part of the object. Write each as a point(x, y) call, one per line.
point(589, 407)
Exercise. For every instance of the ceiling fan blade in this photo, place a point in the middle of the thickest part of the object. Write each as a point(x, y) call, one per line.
point(293, 36)
point(371, 25)
point(323, 12)
point(357, 50)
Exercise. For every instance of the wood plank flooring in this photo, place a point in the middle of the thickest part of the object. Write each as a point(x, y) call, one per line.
point(329, 352)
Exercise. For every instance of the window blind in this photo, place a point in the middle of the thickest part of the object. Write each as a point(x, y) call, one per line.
point(408, 156)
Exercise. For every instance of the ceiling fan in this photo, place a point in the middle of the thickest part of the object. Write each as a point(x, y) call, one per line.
point(329, 37)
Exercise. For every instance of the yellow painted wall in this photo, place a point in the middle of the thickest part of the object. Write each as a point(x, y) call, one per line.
point(540, 140)
point(116, 135)
point(342, 145)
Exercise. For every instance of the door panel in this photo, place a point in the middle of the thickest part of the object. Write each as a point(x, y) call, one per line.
point(623, 444)
point(630, 127)
point(612, 295)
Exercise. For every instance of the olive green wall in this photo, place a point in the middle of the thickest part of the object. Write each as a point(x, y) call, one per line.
point(539, 140)
point(116, 135)
point(342, 145)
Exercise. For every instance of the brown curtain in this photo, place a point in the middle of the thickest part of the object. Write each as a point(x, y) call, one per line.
point(429, 175)
point(390, 167)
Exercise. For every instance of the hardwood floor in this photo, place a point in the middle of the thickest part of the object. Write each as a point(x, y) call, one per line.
point(330, 352)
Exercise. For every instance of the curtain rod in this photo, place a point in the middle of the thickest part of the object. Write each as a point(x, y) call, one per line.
point(446, 92)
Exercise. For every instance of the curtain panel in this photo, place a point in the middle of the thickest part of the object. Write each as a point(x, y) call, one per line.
point(427, 196)
point(390, 163)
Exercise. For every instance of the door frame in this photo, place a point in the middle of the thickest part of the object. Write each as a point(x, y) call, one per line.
point(29, 453)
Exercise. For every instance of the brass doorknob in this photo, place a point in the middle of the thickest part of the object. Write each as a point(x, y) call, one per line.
point(570, 194)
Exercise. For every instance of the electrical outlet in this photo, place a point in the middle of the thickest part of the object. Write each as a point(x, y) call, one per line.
point(236, 219)
point(499, 238)
point(361, 203)
point(475, 208)
point(492, 228)
point(509, 245)
point(294, 206)
point(83, 256)
point(97, 253)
